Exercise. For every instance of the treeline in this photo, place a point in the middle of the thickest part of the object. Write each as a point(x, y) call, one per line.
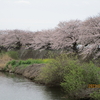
point(77, 36)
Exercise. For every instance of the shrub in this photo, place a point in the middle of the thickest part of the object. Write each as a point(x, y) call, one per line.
point(12, 63)
point(91, 73)
point(80, 76)
point(73, 81)
point(67, 71)
point(95, 95)
point(54, 72)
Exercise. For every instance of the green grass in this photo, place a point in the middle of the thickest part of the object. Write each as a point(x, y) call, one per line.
point(95, 95)
point(24, 63)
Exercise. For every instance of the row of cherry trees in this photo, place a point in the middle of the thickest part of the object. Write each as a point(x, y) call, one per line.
point(78, 36)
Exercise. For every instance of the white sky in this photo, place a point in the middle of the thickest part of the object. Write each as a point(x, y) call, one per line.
point(35, 15)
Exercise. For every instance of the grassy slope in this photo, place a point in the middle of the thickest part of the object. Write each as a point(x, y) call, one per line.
point(25, 63)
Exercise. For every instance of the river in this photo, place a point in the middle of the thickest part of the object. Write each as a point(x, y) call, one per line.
point(16, 87)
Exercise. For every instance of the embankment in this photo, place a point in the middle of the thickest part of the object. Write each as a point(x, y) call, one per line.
point(31, 71)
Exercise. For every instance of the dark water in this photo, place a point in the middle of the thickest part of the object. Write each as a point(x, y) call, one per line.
point(15, 87)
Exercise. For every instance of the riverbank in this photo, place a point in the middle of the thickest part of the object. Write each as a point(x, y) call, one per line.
point(64, 70)
point(32, 72)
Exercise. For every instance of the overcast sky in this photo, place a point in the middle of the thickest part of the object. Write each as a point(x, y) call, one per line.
point(35, 15)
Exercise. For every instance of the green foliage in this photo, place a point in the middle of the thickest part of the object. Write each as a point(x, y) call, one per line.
point(24, 63)
point(80, 76)
point(54, 72)
point(91, 73)
point(67, 71)
point(95, 95)
point(73, 81)
point(13, 54)
point(12, 63)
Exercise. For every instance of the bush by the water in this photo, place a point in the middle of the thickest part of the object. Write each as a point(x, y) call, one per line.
point(68, 72)
point(95, 95)
point(54, 71)
point(79, 77)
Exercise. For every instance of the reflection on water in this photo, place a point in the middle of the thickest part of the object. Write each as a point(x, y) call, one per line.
point(15, 87)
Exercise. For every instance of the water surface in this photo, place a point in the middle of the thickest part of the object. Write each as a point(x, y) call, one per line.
point(15, 87)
